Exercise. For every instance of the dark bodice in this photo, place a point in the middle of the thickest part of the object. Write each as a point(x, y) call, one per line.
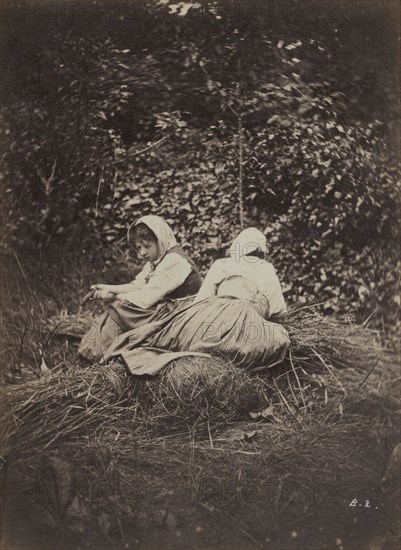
point(192, 283)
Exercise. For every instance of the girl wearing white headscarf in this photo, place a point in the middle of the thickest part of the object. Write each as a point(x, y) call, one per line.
point(168, 278)
point(231, 317)
point(246, 275)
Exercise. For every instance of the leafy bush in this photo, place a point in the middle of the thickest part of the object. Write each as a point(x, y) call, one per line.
point(103, 124)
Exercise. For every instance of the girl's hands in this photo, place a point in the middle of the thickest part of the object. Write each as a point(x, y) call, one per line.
point(102, 292)
point(100, 287)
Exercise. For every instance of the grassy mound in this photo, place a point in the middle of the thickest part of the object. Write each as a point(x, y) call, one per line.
point(196, 389)
point(316, 339)
point(328, 361)
point(250, 453)
point(61, 405)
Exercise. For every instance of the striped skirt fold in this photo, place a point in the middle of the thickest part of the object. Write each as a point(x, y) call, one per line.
point(120, 318)
point(223, 326)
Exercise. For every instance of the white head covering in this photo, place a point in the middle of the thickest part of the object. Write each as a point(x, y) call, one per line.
point(247, 241)
point(162, 230)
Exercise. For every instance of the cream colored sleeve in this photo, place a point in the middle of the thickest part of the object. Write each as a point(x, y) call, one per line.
point(169, 274)
point(272, 289)
point(140, 279)
point(212, 280)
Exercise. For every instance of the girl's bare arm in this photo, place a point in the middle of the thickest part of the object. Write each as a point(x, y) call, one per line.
point(117, 289)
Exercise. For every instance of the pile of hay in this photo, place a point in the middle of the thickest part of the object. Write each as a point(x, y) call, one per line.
point(207, 432)
point(197, 389)
point(327, 359)
point(319, 341)
point(62, 405)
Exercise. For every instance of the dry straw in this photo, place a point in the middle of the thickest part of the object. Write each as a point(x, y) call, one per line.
point(205, 433)
point(329, 362)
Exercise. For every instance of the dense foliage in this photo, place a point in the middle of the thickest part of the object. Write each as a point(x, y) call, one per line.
point(148, 108)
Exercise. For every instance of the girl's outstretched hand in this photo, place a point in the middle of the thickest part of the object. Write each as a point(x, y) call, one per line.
point(99, 286)
point(102, 292)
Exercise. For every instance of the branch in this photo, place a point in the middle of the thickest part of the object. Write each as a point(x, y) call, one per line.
point(47, 181)
point(47, 188)
point(201, 64)
point(101, 179)
point(240, 152)
point(132, 154)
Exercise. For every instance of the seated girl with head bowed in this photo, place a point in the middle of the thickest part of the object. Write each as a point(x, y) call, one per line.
point(231, 316)
point(166, 281)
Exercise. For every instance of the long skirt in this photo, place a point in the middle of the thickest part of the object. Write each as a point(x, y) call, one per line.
point(120, 318)
point(223, 326)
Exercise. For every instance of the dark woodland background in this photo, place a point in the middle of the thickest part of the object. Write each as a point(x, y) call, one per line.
point(116, 110)
point(113, 110)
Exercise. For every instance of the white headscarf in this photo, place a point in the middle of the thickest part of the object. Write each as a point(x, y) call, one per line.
point(247, 241)
point(162, 230)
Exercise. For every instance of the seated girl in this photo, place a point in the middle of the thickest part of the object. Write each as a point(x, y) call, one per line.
point(167, 279)
point(246, 275)
point(229, 317)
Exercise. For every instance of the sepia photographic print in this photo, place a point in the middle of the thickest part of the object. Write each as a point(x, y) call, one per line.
point(200, 275)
